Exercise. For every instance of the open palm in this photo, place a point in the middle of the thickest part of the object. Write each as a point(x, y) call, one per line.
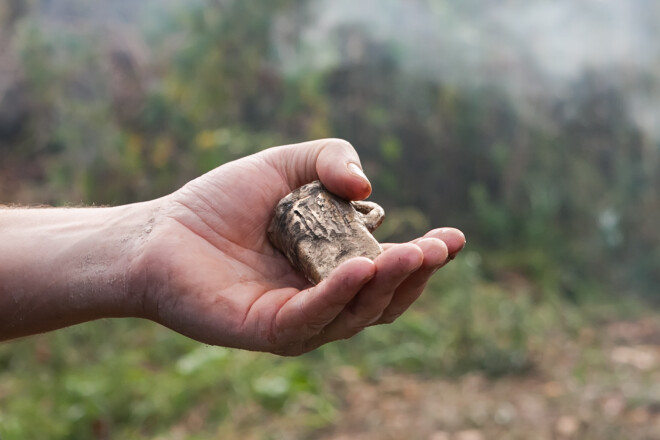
point(211, 273)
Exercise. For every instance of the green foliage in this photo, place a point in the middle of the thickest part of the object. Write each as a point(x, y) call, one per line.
point(110, 125)
point(133, 379)
point(560, 210)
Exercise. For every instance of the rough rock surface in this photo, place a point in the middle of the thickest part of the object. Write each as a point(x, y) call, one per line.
point(318, 230)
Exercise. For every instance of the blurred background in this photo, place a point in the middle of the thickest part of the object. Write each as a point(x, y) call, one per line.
point(534, 126)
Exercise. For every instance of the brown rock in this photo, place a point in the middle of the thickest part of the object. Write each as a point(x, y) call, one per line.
point(317, 230)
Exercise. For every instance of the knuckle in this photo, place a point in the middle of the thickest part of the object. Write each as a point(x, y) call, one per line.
point(337, 143)
point(314, 328)
point(289, 350)
point(361, 321)
point(389, 318)
point(357, 325)
point(353, 330)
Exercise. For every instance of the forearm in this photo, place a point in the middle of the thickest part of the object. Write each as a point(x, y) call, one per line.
point(63, 266)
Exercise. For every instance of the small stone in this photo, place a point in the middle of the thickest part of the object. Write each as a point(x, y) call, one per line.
point(567, 426)
point(317, 230)
point(470, 434)
point(439, 435)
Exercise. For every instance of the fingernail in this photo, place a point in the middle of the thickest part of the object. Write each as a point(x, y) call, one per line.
point(357, 170)
point(452, 256)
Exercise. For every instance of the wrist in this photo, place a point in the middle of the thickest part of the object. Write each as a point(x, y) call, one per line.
point(62, 266)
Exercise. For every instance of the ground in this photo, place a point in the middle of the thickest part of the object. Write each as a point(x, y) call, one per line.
point(469, 362)
point(606, 385)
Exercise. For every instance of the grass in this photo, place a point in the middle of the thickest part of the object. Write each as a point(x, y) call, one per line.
point(133, 379)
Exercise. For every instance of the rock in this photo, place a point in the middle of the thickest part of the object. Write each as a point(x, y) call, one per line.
point(567, 426)
point(317, 230)
point(470, 434)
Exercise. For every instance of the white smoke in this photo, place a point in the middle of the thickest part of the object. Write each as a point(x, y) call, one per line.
point(531, 49)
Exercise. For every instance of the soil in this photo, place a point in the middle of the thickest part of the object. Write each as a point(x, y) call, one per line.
point(603, 385)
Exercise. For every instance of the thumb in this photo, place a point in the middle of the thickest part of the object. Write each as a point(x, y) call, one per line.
point(333, 161)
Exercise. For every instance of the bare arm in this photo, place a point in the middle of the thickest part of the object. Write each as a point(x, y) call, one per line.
point(198, 260)
point(63, 266)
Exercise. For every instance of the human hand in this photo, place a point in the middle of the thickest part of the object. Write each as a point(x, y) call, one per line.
point(208, 271)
